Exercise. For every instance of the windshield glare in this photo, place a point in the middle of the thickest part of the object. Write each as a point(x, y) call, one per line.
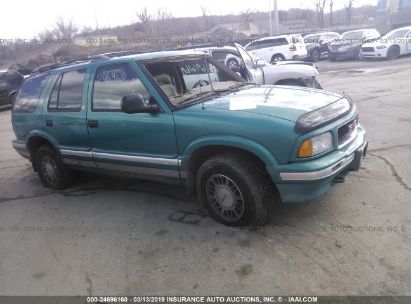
point(352, 35)
point(396, 34)
point(312, 38)
point(190, 79)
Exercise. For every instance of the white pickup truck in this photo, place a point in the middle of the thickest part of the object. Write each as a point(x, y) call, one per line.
point(252, 69)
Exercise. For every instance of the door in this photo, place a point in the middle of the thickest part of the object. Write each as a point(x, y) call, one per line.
point(64, 117)
point(254, 73)
point(140, 144)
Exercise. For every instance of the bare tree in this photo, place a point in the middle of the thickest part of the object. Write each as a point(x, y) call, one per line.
point(65, 30)
point(146, 20)
point(331, 13)
point(62, 30)
point(348, 10)
point(205, 18)
point(246, 15)
point(320, 7)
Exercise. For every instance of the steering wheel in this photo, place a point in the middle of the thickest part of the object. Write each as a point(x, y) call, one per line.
point(201, 83)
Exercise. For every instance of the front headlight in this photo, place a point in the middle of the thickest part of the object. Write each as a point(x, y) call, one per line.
point(381, 47)
point(317, 118)
point(316, 145)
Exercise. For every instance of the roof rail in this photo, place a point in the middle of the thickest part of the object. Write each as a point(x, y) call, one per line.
point(53, 66)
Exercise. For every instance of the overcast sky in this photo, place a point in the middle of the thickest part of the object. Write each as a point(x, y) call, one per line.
point(26, 18)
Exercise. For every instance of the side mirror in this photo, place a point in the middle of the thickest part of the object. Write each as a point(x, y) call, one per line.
point(134, 103)
point(260, 63)
point(12, 97)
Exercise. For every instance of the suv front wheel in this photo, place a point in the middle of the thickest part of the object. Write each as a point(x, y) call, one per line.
point(51, 170)
point(234, 191)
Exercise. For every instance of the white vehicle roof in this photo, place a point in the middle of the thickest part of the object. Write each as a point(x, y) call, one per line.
point(360, 30)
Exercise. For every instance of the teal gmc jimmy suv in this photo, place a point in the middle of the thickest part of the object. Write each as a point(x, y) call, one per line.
point(240, 146)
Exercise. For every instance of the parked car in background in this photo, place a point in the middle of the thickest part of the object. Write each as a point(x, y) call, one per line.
point(278, 48)
point(349, 46)
point(317, 44)
point(390, 46)
point(259, 71)
point(10, 81)
point(241, 146)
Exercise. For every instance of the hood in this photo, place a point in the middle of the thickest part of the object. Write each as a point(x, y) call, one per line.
point(283, 102)
point(281, 63)
point(288, 70)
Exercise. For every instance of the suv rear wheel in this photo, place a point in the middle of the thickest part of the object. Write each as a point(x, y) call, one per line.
point(51, 170)
point(277, 58)
point(234, 191)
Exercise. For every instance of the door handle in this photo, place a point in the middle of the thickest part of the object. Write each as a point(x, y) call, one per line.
point(92, 123)
point(49, 123)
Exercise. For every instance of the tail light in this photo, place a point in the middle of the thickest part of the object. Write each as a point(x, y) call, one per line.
point(293, 48)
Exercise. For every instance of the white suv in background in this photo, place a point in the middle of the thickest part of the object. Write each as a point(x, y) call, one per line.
point(278, 48)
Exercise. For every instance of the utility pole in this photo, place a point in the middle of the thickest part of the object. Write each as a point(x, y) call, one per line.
point(276, 21)
point(270, 18)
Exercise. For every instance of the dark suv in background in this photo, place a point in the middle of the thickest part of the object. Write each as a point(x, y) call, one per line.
point(10, 81)
point(349, 46)
point(317, 44)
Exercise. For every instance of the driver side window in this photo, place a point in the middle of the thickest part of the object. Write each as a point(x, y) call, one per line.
point(112, 83)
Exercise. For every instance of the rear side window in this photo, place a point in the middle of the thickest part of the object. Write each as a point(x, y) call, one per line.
point(28, 96)
point(267, 43)
point(68, 91)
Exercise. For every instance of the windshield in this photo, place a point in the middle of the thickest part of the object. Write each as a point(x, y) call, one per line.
point(312, 38)
point(396, 34)
point(188, 80)
point(352, 35)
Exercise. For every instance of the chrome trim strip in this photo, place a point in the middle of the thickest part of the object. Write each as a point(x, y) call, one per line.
point(137, 159)
point(139, 170)
point(79, 163)
point(316, 175)
point(65, 152)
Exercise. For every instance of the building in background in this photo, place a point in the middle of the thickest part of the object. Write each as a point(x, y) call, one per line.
point(393, 14)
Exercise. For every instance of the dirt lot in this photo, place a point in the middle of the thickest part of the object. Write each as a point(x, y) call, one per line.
point(112, 236)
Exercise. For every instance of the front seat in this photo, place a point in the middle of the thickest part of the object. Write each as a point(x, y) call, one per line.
point(165, 83)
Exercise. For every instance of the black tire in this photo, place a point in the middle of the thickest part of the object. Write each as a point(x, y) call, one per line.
point(315, 55)
point(393, 52)
point(52, 172)
point(233, 64)
point(235, 191)
point(277, 58)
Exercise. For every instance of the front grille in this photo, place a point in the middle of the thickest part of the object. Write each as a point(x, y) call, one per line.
point(334, 48)
point(368, 49)
point(347, 132)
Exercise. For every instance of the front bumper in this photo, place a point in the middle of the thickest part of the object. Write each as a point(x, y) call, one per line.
point(376, 54)
point(21, 148)
point(352, 53)
point(308, 184)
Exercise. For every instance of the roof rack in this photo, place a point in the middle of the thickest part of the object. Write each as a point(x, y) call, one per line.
point(53, 66)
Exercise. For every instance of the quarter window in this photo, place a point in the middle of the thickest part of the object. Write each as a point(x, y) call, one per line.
point(29, 94)
point(112, 83)
point(68, 92)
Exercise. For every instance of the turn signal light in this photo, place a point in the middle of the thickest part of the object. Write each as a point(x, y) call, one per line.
point(306, 149)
